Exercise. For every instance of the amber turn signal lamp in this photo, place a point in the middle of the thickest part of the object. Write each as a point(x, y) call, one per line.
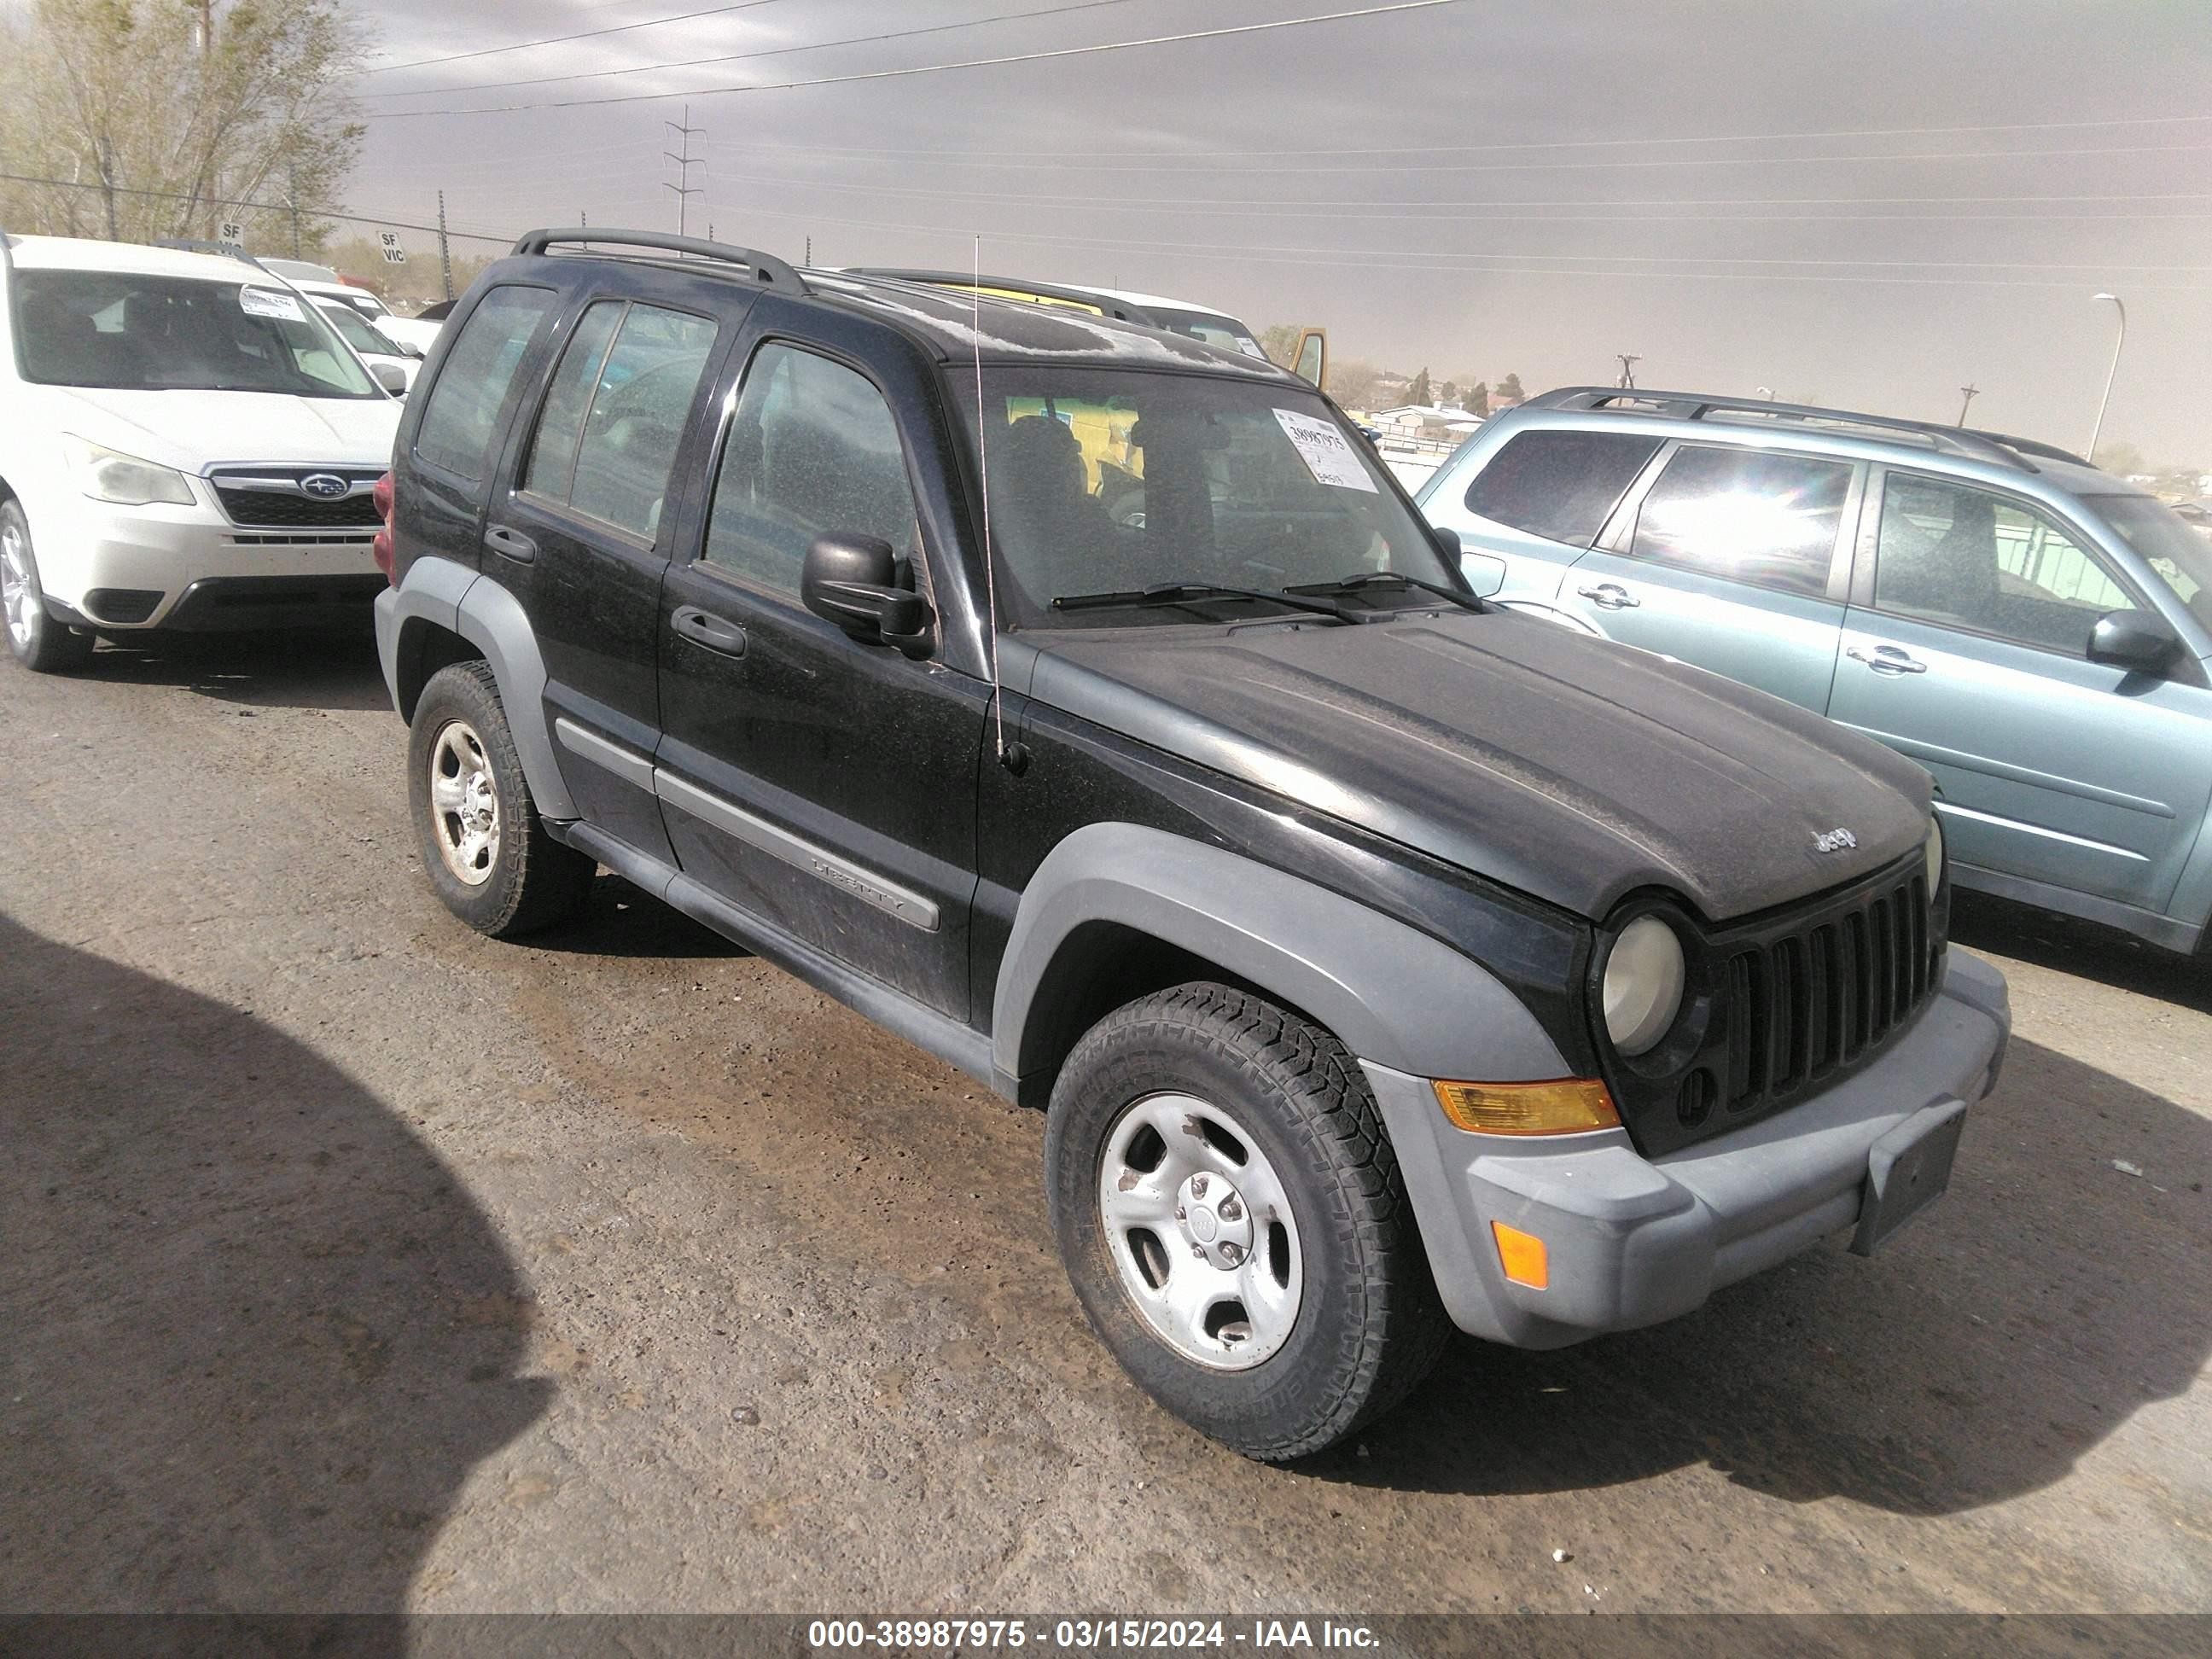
point(1565, 1107)
point(1521, 1255)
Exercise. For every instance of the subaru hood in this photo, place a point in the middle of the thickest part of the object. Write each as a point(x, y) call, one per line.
point(192, 431)
point(1572, 769)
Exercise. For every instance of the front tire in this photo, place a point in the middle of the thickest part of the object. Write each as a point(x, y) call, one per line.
point(38, 642)
point(488, 853)
point(1230, 1213)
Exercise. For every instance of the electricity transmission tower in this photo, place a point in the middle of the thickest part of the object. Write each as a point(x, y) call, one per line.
point(685, 189)
point(1628, 362)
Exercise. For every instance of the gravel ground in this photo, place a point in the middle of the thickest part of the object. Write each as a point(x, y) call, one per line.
point(351, 1261)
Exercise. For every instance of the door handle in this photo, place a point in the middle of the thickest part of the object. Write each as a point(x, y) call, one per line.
point(1610, 595)
point(510, 544)
point(702, 628)
point(1887, 659)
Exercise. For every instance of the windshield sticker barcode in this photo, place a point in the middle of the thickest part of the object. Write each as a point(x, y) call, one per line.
point(1325, 450)
point(267, 302)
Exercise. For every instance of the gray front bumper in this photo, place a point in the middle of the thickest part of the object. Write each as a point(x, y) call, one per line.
point(1632, 1241)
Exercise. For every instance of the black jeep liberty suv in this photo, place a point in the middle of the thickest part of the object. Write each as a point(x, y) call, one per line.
point(1090, 707)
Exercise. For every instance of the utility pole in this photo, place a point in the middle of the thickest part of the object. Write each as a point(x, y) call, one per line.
point(685, 189)
point(1966, 395)
point(1628, 362)
point(292, 200)
point(107, 185)
point(206, 10)
point(445, 253)
point(2110, 374)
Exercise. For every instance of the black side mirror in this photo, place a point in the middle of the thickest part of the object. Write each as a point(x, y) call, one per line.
point(858, 583)
point(2140, 641)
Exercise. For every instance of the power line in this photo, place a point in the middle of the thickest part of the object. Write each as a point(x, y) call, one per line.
point(1189, 203)
point(1092, 153)
point(236, 202)
point(1606, 259)
point(1307, 170)
point(560, 40)
point(1357, 260)
point(931, 69)
point(747, 56)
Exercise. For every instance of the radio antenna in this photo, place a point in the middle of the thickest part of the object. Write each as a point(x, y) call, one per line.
point(990, 560)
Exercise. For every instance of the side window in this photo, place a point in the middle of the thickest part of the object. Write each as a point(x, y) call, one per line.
point(552, 465)
point(621, 412)
point(459, 421)
point(1970, 558)
point(813, 448)
point(1746, 515)
point(1560, 485)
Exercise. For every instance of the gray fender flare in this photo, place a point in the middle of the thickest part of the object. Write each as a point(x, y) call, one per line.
point(478, 609)
point(1391, 994)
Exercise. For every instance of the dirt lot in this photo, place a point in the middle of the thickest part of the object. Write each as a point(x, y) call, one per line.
point(351, 1261)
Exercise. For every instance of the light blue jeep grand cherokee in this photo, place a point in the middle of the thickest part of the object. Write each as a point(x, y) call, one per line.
point(2033, 631)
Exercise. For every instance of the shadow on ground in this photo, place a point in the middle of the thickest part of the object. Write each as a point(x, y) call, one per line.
point(619, 920)
point(257, 1334)
point(334, 671)
point(2067, 946)
point(2043, 1303)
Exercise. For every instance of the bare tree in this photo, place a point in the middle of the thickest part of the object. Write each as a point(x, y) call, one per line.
point(159, 116)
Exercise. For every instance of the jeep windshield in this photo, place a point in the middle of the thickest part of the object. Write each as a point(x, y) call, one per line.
point(1105, 483)
point(2181, 557)
point(121, 331)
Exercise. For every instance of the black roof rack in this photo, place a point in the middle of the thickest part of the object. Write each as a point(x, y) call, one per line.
point(1693, 406)
point(1105, 304)
point(765, 266)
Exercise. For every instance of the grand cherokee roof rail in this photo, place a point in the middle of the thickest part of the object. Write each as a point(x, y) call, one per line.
point(1105, 304)
point(1692, 406)
point(765, 266)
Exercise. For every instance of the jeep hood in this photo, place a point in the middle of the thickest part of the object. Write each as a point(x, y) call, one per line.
point(1572, 769)
point(193, 430)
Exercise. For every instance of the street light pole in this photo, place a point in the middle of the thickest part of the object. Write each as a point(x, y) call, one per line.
point(2110, 374)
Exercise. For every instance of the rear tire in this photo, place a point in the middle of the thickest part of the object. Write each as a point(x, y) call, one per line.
point(38, 642)
point(1252, 1261)
point(488, 853)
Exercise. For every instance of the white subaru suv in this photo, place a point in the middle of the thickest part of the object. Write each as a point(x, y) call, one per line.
point(185, 443)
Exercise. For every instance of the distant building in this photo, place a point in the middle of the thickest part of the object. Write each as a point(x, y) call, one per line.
point(1425, 421)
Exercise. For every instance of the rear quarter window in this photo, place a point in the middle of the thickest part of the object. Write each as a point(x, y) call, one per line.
point(460, 418)
point(1560, 485)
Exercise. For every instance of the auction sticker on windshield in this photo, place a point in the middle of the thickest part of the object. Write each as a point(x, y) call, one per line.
point(267, 302)
point(1326, 454)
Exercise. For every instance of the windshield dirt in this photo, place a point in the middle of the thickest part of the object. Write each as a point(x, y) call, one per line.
point(122, 330)
point(1107, 481)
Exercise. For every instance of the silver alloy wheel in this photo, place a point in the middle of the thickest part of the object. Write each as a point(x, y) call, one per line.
point(19, 592)
point(464, 803)
point(1200, 1230)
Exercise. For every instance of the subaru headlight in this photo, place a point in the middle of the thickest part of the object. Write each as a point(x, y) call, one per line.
point(107, 475)
point(1933, 850)
point(1644, 977)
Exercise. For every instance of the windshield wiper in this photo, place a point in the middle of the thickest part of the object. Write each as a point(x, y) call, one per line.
point(1394, 580)
point(1184, 592)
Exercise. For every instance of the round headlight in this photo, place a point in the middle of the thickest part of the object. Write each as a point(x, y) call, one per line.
point(1935, 852)
point(1643, 979)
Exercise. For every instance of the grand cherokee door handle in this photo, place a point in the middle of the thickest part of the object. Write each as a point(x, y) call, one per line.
point(1610, 595)
point(511, 543)
point(1887, 659)
point(703, 627)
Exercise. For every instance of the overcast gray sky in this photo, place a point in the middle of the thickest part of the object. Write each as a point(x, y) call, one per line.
point(1874, 203)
